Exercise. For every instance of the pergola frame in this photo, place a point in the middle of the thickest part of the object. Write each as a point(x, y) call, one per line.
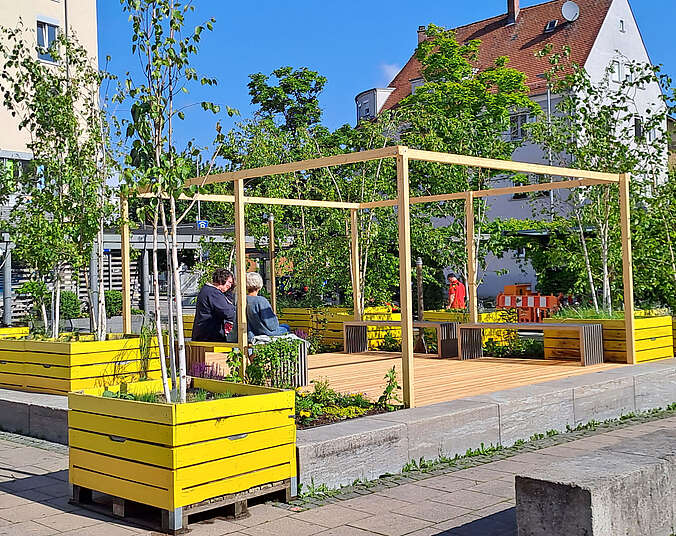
point(403, 156)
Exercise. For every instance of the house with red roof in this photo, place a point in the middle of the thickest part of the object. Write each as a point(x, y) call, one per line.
point(599, 33)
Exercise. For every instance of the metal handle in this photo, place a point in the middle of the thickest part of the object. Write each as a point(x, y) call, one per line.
point(236, 437)
point(117, 439)
point(47, 366)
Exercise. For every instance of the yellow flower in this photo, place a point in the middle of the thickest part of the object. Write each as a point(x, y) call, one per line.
point(304, 413)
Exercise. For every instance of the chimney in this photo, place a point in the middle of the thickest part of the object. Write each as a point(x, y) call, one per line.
point(422, 34)
point(512, 11)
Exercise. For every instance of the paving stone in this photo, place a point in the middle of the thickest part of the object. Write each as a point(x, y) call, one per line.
point(285, 526)
point(448, 483)
point(27, 528)
point(390, 524)
point(374, 503)
point(109, 529)
point(347, 531)
point(434, 511)
point(509, 466)
point(331, 516)
point(27, 512)
point(213, 527)
point(70, 521)
point(261, 513)
point(479, 474)
point(472, 500)
point(496, 487)
point(413, 493)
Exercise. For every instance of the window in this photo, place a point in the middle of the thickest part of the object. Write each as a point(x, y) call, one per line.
point(416, 83)
point(46, 34)
point(517, 125)
point(628, 73)
point(616, 71)
point(638, 128)
point(364, 109)
point(622, 26)
point(551, 26)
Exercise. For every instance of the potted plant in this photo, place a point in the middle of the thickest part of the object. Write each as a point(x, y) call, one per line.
point(229, 442)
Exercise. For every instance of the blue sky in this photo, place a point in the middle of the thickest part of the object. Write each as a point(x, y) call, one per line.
point(356, 45)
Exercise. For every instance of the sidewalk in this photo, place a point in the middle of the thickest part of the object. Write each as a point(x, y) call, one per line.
point(478, 501)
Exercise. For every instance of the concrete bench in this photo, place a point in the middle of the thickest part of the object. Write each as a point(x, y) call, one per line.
point(625, 489)
point(355, 335)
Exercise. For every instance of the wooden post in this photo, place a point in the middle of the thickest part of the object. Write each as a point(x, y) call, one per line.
point(240, 271)
point(354, 252)
point(471, 258)
point(273, 268)
point(627, 268)
point(406, 296)
point(419, 278)
point(125, 250)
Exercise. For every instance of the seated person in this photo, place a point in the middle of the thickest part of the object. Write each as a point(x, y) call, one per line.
point(259, 314)
point(215, 313)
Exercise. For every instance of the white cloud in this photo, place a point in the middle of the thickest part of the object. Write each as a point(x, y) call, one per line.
point(389, 70)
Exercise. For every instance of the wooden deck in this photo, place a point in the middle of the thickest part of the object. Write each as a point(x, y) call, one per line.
point(440, 380)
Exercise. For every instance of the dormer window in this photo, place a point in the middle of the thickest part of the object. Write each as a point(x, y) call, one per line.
point(551, 26)
point(622, 26)
point(416, 83)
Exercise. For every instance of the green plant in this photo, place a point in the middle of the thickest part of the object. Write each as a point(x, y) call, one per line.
point(390, 344)
point(389, 396)
point(146, 338)
point(274, 363)
point(515, 348)
point(71, 306)
point(113, 303)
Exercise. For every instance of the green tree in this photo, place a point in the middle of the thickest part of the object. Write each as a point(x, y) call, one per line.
point(62, 197)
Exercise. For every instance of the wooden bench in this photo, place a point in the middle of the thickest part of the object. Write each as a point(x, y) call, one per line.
point(355, 335)
point(591, 338)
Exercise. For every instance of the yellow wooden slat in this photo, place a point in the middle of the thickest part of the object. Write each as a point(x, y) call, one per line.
point(645, 344)
point(654, 354)
point(121, 488)
point(242, 405)
point(128, 470)
point(197, 475)
point(161, 434)
point(123, 409)
point(186, 434)
point(161, 456)
point(236, 484)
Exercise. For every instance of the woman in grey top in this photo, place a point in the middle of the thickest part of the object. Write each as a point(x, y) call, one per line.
point(260, 317)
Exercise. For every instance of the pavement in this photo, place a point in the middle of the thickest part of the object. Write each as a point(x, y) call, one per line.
point(478, 501)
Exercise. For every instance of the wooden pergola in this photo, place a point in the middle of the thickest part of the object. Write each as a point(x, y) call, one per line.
point(403, 155)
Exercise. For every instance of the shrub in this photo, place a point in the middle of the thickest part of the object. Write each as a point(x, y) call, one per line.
point(113, 303)
point(71, 306)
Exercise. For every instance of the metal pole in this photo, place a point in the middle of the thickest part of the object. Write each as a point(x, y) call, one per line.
point(125, 250)
point(7, 288)
point(273, 269)
point(94, 280)
point(419, 274)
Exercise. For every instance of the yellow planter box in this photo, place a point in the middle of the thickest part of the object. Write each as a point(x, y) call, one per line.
point(654, 339)
point(174, 455)
point(14, 332)
point(59, 367)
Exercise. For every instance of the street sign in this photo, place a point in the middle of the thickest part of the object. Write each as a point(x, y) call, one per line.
point(202, 224)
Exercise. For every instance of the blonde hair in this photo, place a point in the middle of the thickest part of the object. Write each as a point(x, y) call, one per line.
point(254, 282)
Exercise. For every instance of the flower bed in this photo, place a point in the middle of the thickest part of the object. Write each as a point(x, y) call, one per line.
point(58, 367)
point(14, 332)
point(175, 456)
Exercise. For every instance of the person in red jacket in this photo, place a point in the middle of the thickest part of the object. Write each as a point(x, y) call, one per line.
point(456, 293)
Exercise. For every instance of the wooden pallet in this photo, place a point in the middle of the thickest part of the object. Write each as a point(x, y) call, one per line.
point(177, 521)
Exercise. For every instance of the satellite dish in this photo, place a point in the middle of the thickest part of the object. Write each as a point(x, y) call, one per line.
point(570, 11)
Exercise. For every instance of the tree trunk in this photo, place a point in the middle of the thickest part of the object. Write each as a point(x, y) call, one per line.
point(587, 263)
point(170, 299)
point(158, 318)
point(178, 296)
point(57, 305)
point(103, 316)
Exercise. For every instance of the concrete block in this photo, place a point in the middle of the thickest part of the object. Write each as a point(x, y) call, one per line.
point(532, 409)
point(629, 488)
point(605, 400)
point(656, 388)
point(49, 423)
point(14, 417)
point(340, 453)
point(448, 428)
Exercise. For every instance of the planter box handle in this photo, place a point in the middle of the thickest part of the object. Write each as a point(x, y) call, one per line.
point(236, 437)
point(47, 366)
point(117, 439)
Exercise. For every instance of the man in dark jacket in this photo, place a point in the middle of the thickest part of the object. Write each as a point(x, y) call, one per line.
point(215, 313)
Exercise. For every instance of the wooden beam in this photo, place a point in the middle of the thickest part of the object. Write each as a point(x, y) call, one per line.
point(471, 258)
point(125, 250)
point(217, 198)
point(507, 165)
point(355, 262)
point(273, 268)
point(406, 296)
point(240, 272)
point(627, 267)
point(279, 169)
point(493, 192)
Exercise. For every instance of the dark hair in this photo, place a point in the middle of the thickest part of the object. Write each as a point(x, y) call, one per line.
point(221, 276)
point(450, 275)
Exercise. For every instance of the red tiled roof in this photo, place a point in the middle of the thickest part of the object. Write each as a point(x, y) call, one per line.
point(520, 42)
